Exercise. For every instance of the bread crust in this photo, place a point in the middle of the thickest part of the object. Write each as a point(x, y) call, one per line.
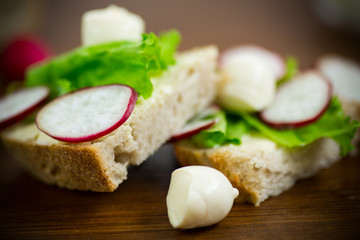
point(74, 167)
point(259, 168)
point(262, 171)
point(101, 165)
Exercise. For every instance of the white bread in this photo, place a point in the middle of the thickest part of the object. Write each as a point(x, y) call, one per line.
point(101, 165)
point(352, 109)
point(259, 168)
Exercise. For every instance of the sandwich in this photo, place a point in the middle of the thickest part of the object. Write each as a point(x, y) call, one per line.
point(273, 124)
point(160, 91)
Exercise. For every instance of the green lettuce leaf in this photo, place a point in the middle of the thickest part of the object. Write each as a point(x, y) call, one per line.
point(333, 124)
point(236, 128)
point(217, 135)
point(169, 43)
point(291, 70)
point(125, 62)
point(231, 127)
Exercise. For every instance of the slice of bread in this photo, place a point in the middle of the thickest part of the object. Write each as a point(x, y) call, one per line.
point(101, 165)
point(259, 168)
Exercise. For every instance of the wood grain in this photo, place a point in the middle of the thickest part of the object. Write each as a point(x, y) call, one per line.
point(326, 206)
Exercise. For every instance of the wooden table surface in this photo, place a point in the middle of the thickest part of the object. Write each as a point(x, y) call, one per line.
point(326, 206)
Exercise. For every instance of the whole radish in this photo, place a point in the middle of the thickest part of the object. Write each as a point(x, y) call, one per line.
point(19, 54)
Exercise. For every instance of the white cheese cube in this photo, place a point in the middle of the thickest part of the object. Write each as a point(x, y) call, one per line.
point(111, 24)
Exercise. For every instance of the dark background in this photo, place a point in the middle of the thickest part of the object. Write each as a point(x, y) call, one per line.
point(288, 27)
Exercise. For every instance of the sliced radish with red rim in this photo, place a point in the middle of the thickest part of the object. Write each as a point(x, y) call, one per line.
point(344, 74)
point(274, 61)
point(207, 112)
point(197, 124)
point(299, 102)
point(87, 114)
point(16, 106)
point(192, 128)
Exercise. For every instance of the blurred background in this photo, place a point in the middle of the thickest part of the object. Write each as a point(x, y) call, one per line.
point(305, 29)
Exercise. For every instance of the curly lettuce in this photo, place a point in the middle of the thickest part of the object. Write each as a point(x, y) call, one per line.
point(232, 126)
point(217, 135)
point(291, 70)
point(124, 62)
point(332, 124)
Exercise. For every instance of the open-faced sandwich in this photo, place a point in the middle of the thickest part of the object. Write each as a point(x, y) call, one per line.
point(275, 125)
point(109, 104)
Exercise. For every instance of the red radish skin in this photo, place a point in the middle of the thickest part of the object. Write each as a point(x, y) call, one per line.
point(40, 99)
point(297, 124)
point(275, 60)
point(186, 133)
point(211, 110)
point(202, 123)
point(19, 54)
point(130, 105)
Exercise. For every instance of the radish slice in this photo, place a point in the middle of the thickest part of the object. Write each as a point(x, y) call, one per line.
point(197, 124)
point(87, 114)
point(192, 128)
point(274, 61)
point(211, 110)
point(344, 74)
point(16, 106)
point(299, 102)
